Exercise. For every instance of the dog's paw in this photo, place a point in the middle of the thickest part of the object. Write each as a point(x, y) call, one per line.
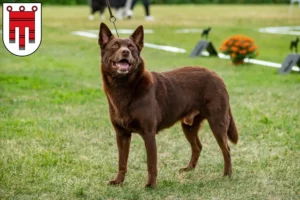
point(150, 186)
point(186, 169)
point(228, 173)
point(115, 182)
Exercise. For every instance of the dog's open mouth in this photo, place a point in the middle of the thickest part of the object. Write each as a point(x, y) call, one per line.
point(122, 66)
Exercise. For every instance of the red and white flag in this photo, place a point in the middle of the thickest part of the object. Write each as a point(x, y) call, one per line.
point(22, 27)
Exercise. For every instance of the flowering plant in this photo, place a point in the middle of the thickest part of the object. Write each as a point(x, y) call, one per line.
point(239, 47)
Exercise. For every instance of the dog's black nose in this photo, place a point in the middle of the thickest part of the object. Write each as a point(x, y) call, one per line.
point(125, 52)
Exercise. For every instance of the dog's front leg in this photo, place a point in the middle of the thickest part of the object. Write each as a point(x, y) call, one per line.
point(150, 143)
point(123, 142)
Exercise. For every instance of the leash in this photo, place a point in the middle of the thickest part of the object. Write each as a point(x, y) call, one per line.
point(112, 18)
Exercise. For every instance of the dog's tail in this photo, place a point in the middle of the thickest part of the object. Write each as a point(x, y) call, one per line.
point(232, 132)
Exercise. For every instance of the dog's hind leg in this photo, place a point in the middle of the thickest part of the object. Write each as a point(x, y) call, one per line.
point(190, 128)
point(219, 123)
point(91, 16)
point(102, 13)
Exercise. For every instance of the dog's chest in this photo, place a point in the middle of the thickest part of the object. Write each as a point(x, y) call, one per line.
point(128, 122)
point(125, 118)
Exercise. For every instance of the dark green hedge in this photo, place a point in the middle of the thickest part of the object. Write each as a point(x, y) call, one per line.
point(75, 2)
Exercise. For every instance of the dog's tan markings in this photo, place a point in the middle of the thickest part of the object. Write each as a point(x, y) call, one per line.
point(189, 118)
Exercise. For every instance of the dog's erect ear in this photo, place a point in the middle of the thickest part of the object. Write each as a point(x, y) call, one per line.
point(138, 37)
point(104, 35)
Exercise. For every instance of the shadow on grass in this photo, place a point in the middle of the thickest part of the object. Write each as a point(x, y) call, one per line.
point(171, 189)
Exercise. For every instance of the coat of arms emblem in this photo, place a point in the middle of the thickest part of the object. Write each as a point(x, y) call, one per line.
point(22, 27)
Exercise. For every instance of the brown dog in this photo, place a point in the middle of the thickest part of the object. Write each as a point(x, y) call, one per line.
point(147, 102)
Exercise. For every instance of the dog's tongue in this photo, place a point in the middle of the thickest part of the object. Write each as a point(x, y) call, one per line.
point(123, 65)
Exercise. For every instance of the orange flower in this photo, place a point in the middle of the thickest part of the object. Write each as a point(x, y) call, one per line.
point(252, 48)
point(225, 42)
point(239, 46)
point(223, 48)
point(234, 49)
point(246, 44)
point(249, 40)
point(244, 52)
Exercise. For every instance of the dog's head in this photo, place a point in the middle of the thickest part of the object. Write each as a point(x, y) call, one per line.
point(120, 57)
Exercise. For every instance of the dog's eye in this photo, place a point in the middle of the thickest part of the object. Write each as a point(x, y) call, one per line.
point(131, 47)
point(115, 46)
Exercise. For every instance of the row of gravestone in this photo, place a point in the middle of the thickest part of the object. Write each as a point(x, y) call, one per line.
point(286, 67)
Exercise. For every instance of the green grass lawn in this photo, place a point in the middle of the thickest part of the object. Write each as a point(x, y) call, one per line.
point(56, 140)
